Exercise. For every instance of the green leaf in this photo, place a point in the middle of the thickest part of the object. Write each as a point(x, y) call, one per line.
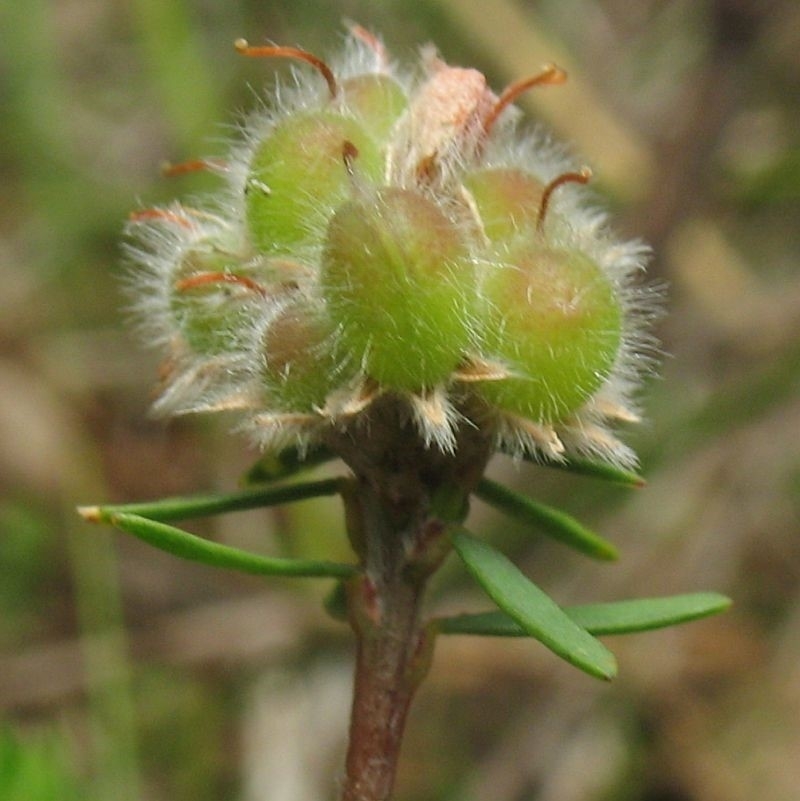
point(553, 522)
point(607, 472)
point(531, 608)
point(288, 462)
point(587, 467)
point(645, 614)
point(204, 505)
point(619, 617)
point(195, 549)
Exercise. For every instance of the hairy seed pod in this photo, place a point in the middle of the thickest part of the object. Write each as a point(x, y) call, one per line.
point(507, 200)
point(398, 234)
point(297, 177)
point(212, 297)
point(396, 280)
point(300, 366)
point(376, 100)
point(553, 318)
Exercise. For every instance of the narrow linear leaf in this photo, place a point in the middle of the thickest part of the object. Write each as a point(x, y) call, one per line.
point(286, 463)
point(189, 546)
point(482, 624)
point(607, 472)
point(645, 614)
point(619, 617)
point(181, 508)
point(553, 522)
point(587, 467)
point(531, 608)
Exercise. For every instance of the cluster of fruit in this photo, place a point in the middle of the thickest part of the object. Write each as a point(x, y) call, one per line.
point(382, 235)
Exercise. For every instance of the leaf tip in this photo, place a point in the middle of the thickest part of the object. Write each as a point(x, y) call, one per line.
point(601, 664)
point(717, 602)
point(91, 514)
point(608, 670)
point(608, 552)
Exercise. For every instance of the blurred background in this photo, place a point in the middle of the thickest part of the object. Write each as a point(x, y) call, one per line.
point(127, 674)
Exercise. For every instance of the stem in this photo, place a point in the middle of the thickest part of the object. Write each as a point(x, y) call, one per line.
point(393, 654)
point(398, 506)
point(388, 671)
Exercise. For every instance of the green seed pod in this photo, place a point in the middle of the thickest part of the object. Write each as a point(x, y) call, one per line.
point(553, 318)
point(394, 236)
point(297, 177)
point(396, 280)
point(212, 296)
point(507, 201)
point(376, 100)
point(300, 367)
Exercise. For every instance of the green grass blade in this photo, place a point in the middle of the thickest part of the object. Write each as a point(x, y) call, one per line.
point(183, 508)
point(531, 608)
point(553, 522)
point(286, 463)
point(196, 549)
point(619, 617)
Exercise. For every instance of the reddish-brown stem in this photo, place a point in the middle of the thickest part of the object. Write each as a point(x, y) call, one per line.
point(275, 51)
point(205, 278)
point(549, 76)
point(393, 649)
point(193, 165)
point(371, 41)
point(390, 661)
point(397, 509)
point(581, 177)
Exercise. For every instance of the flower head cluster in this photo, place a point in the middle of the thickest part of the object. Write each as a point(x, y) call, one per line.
point(384, 235)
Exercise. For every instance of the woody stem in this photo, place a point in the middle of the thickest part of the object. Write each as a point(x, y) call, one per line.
point(393, 651)
point(398, 505)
